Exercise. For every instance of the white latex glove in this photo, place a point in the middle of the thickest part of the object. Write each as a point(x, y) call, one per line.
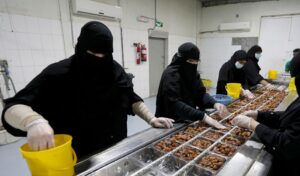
point(251, 113)
point(212, 122)
point(161, 122)
point(244, 122)
point(281, 88)
point(222, 110)
point(248, 94)
point(270, 86)
point(40, 135)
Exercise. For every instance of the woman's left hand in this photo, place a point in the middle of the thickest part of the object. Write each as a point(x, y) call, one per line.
point(245, 122)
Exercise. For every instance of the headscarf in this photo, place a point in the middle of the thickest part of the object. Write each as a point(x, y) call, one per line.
point(238, 56)
point(187, 71)
point(97, 38)
point(251, 54)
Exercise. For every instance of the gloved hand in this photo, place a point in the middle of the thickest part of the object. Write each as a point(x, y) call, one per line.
point(161, 122)
point(270, 86)
point(251, 113)
point(248, 94)
point(244, 122)
point(222, 110)
point(212, 122)
point(40, 135)
point(281, 88)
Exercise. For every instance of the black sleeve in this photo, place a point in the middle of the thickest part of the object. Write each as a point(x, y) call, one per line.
point(270, 119)
point(133, 99)
point(28, 96)
point(186, 112)
point(203, 99)
point(252, 73)
point(245, 84)
point(222, 80)
point(221, 87)
point(208, 101)
point(282, 143)
point(172, 91)
point(125, 85)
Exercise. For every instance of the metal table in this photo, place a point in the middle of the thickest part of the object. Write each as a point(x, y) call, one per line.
point(123, 148)
point(250, 159)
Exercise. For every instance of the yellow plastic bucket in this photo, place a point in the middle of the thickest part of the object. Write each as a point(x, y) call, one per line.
point(233, 89)
point(272, 74)
point(292, 86)
point(57, 161)
point(207, 83)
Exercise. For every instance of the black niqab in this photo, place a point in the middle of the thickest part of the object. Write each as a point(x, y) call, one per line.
point(187, 70)
point(97, 38)
point(181, 82)
point(230, 74)
point(85, 96)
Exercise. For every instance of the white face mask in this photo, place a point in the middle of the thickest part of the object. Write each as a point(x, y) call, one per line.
point(238, 65)
point(257, 55)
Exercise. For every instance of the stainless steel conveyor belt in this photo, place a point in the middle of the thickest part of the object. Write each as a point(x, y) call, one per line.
point(250, 159)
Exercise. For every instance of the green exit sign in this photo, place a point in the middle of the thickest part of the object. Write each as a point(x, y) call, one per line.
point(158, 23)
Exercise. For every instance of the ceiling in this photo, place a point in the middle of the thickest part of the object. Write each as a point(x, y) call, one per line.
point(209, 3)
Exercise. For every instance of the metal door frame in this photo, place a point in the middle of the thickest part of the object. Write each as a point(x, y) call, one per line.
point(153, 34)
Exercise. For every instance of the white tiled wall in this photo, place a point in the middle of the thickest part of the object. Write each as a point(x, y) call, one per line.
point(29, 44)
point(212, 58)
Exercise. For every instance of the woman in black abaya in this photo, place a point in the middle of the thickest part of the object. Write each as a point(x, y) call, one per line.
point(181, 91)
point(88, 96)
point(279, 131)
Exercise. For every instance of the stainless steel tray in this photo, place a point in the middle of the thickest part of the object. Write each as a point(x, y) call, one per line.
point(150, 161)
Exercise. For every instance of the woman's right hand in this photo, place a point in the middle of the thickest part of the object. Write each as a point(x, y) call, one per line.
point(212, 122)
point(40, 135)
point(248, 94)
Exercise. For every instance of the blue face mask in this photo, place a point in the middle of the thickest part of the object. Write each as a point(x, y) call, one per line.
point(257, 55)
point(238, 65)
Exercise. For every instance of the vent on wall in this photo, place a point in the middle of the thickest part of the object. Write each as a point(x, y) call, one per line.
point(96, 9)
point(240, 26)
point(210, 3)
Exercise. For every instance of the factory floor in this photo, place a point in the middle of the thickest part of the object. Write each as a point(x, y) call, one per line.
point(12, 163)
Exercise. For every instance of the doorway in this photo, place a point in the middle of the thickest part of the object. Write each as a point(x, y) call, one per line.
point(157, 62)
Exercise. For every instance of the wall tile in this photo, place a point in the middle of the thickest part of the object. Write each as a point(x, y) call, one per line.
point(32, 25)
point(35, 41)
point(26, 58)
point(8, 40)
point(47, 42)
point(19, 23)
point(45, 26)
point(56, 27)
point(13, 58)
point(5, 22)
